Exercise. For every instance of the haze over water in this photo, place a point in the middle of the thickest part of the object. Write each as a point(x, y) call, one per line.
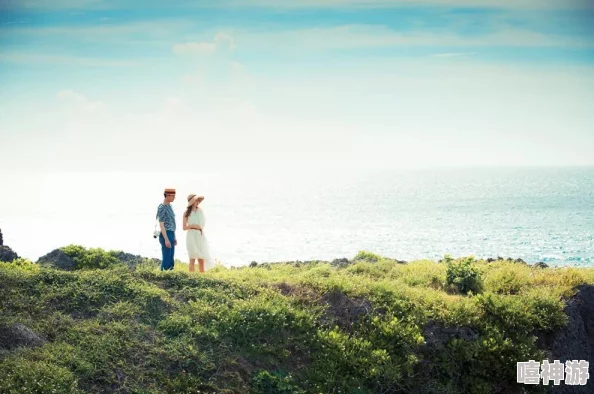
point(538, 214)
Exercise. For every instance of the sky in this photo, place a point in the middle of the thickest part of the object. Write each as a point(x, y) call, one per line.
point(192, 85)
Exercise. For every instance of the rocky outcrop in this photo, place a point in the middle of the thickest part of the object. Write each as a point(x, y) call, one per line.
point(57, 259)
point(437, 336)
point(18, 335)
point(60, 260)
point(344, 311)
point(576, 340)
point(341, 262)
point(132, 260)
point(6, 254)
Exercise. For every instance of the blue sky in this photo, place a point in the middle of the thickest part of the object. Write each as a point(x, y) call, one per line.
point(115, 85)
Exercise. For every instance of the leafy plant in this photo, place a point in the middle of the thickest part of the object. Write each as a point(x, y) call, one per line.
point(92, 258)
point(463, 275)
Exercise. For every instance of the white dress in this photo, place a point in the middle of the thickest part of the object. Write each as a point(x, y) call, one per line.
point(196, 241)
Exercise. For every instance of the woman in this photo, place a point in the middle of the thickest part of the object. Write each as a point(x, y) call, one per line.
point(196, 242)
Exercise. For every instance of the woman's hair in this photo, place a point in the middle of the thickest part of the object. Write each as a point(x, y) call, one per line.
point(189, 211)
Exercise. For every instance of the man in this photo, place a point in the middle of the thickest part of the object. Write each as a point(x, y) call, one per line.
point(167, 238)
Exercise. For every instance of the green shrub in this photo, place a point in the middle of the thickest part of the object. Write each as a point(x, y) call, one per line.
point(92, 258)
point(20, 376)
point(277, 382)
point(364, 255)
point(24, 264)
point(463, 275)
point(272, 329)
point(507, 279)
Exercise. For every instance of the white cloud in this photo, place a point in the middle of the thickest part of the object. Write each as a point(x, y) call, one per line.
point(221, 41)
point(176, 107)
point(55, 4)
point(297, 4)
point(126, 4)
point(194, 48)
point(372, 36)
point(224, 40)
point(115, 4)
point(81, 103)
point(455, 54)
point(194, 80)
point(161, 29)
point(240, 74)
point(536, 4)
point(40, 58)
point(388, 114)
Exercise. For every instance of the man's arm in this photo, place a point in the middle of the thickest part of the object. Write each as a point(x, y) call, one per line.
point(161, 217)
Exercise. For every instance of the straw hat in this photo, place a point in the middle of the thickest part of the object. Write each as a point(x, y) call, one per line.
point(169, 191)
point(192, 198)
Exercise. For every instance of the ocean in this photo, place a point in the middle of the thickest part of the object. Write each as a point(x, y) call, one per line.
point(536, 214)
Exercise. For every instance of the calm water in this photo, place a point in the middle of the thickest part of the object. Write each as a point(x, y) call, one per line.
point(534, 214)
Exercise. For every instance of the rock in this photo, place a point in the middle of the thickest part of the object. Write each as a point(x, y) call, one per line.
point(253, 264)
point(19, 335)
point(132, 260)
point(575, 341)
point(7, 254)
point(437, 336)
point(60, 260)
point(57, 259)
point(540, 264)
point(342, 310)
point(341, 262)
point(297, 291)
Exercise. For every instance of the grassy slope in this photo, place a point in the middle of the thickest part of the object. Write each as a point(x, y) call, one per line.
point(278, 328)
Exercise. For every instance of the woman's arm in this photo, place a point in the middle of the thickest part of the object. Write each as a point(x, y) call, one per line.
point(190, 226)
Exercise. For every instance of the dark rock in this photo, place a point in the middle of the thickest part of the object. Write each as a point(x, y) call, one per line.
point(344, 311)
point(437, 336)
point(57, 259)
point(7, 254)
point(401, 261)
point(60, 260)
point(520, 261)
point(297, 291)
point(575, 341)
point(132, 260)
point(341, 262)
point(253, 264)
point(490, 260)
point(1, 238)
point(540, 264)
point(19, 335)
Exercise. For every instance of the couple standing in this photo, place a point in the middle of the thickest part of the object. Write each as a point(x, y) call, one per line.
point(193, 223)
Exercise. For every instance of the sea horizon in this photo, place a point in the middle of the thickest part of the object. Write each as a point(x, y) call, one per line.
point(532, 213)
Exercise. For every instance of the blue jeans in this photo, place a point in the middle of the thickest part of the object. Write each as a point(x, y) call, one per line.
point(168, 253)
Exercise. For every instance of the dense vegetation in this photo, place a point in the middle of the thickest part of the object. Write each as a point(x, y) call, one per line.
point(366, 325)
